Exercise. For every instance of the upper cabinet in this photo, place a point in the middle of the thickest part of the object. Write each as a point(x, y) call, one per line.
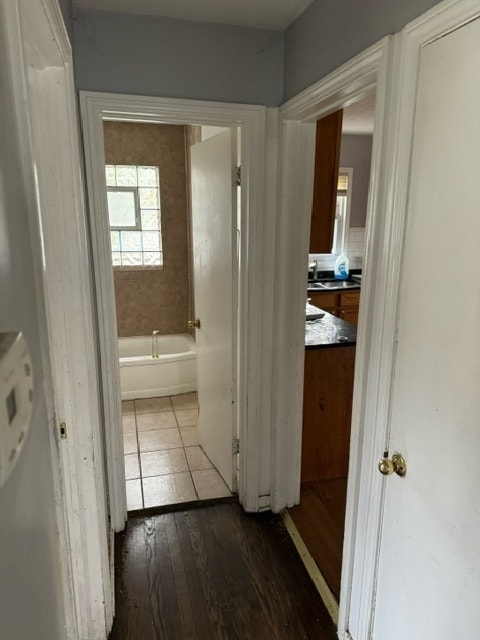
point(327, 161)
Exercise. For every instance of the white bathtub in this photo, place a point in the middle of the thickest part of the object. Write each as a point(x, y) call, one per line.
point(173, 372)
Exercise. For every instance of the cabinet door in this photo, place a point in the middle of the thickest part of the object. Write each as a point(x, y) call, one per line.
point(349, 314)
point(327, 408)
point(349, 304)
point(327, 160)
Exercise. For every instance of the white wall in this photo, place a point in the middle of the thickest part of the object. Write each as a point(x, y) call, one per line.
point(30, 598)
point(356, 152)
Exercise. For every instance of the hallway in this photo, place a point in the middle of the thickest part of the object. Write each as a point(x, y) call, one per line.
point(213, 573)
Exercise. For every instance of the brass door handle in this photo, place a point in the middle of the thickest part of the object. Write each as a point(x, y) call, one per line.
point(193, 324)
point(396, 465)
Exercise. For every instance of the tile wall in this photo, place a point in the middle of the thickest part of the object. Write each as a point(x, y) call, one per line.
point(356, 246)
point(152, 298)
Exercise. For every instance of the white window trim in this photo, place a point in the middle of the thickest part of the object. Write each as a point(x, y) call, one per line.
point(342, 233)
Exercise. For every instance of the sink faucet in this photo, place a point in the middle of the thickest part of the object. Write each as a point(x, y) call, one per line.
point(315, 269)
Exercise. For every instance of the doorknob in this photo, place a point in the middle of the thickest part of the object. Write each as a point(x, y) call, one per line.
point(397, 464)
point(192, 324)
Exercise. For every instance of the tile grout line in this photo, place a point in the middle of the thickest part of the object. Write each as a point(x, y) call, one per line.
point(183, 447)
point(184, 452)
point(138, 453)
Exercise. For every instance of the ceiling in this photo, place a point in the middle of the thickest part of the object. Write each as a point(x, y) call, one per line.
point(261, 14)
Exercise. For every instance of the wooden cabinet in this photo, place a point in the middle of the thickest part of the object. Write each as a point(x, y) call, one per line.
point(327, 413)
point(327, 160)
point(349, 304)
point(325, 300)
point(339, 303)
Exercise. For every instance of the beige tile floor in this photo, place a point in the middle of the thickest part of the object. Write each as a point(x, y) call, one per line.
point(164, 462)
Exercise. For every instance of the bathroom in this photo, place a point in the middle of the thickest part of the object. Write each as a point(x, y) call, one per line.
point(154, 292)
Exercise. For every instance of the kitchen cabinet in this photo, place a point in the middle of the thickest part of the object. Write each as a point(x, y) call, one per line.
point(324, 203)
point(327, 409)
point(342, 304)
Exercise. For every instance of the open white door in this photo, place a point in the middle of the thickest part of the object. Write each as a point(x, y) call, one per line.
point(215, 275)
point(429, 563)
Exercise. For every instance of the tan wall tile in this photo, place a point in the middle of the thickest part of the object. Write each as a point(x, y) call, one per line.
point(155, 298)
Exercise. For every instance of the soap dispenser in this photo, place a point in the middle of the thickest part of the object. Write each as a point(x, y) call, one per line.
point(341, 267)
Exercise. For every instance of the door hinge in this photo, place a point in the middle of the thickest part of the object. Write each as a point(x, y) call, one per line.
point(235, 446)
point(238, 176)
point(63, 430)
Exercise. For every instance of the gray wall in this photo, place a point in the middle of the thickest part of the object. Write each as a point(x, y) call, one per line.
point(141, 55)
point(356, 152)
point(30, 598)
point(329, 33)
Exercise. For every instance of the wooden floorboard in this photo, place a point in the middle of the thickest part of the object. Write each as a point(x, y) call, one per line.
point(214, 573)
point(320, 520)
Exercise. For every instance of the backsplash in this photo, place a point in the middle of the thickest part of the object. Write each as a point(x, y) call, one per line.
point(355, 251)
point(155, 298)
point(356, 244)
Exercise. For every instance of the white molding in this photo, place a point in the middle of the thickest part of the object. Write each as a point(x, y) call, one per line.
point(37, 41)
point(311, 566)
point(342, 87)
point(96, 107)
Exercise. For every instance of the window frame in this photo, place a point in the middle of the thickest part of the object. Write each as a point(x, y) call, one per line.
point(340, 244)
point(135, 189)
point(136, 197)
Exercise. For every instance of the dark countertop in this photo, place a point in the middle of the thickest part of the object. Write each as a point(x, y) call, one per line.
point(329, 332)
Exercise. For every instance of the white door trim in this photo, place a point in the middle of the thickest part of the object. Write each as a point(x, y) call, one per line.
point(95, 107)
point(41, 70)
point(393, 65)
point(378, 311)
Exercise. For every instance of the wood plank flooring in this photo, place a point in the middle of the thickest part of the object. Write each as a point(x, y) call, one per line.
point(214, 573)
point(320, 520)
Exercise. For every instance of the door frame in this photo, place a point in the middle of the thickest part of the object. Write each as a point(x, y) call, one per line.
point(392, 65)
point(374, 359)
point(252, 121)
point(41, 68)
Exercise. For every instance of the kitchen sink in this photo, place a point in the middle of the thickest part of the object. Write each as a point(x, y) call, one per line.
point(334, 284)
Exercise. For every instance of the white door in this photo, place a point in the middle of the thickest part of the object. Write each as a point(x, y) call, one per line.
point(214, 238)
point(41, 68)
point(429, 564)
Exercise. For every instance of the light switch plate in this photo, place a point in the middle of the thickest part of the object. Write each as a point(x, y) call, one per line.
point(16, 399)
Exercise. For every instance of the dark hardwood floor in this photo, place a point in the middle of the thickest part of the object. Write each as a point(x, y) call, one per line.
point(320, 520)
point(214, 573)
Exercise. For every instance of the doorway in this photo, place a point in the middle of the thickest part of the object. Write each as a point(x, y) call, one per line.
point(175, 450)
point(345, 86)
point(319, 518)
point(251, 122)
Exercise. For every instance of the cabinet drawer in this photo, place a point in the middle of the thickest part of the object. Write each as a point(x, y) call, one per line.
point(350, 299)
point(320, 299)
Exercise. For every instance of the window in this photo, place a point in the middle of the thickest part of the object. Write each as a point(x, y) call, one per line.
point(342, 211)
point(133, 197)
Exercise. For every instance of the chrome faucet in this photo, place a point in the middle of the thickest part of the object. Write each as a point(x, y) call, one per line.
point(155, 353)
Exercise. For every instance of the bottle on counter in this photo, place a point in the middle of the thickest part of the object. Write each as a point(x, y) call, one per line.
point(341, 269)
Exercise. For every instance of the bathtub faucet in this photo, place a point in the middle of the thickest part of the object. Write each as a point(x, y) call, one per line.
point(155, 353)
